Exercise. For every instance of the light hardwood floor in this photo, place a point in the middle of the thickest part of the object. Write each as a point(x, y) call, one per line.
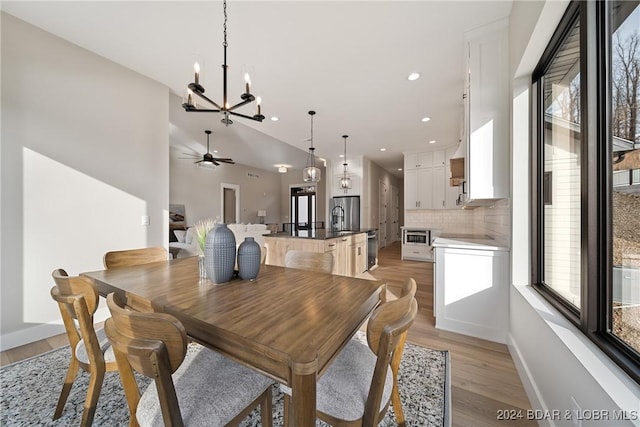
point(484, 378)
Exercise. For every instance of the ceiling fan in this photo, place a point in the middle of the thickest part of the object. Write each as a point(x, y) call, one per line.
point(208, 159)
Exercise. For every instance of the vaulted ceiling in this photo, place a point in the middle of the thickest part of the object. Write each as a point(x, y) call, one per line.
point(347, 60)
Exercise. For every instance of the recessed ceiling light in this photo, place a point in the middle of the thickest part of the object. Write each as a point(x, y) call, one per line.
point(274, 119)
point(341, 155)
point(413, 76)
point(215, 151)
point(399, 169)
point(433, 141)
point(282, 169)
point(383, 149)
point(425, 119)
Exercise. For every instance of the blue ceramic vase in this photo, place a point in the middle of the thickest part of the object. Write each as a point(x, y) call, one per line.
point(248, 259)
point(220, 254)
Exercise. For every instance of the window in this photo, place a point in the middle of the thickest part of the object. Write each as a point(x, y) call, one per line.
point(625, 146)
point(586, 220)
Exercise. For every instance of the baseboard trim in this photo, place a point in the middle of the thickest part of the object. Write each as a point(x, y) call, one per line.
point(528, 382)
point(41, 332)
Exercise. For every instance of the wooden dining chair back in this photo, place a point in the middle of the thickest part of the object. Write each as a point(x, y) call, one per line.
point(205, 382)
point(321, 262)
point(78, 299)
point(409, 288)
point(386, 328)
point(129, 257)
point(356, 388)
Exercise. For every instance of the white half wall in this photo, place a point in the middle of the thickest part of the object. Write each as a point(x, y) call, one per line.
point(84, 156)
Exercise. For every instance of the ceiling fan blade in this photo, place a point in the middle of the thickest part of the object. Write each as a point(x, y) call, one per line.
point(192, 155)
point(230, 161)
point(199, 161)
point(214, 162)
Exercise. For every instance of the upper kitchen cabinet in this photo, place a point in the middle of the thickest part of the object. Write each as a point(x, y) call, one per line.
point(487, 118)
point(424, 159)
point(424, 180)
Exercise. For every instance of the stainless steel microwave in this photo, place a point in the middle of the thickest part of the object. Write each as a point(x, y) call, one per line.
point(416, 237)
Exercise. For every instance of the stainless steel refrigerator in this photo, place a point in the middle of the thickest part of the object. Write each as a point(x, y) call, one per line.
point(344, 213)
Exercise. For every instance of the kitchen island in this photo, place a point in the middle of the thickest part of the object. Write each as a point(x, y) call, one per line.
point(348, 247)
point(471, 286)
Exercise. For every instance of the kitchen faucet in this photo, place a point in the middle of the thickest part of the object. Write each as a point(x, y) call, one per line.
point(337, 218)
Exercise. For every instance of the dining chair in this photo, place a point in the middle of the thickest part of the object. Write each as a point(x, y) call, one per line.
point(77, 299)
point(321, 262)
point(356, 389)
point(129, 257)
point(206, 388)
point(409, 288)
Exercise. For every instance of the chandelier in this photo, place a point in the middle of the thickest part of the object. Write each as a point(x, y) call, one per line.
point(311, 173)
point(196, 88)
point(345, 180)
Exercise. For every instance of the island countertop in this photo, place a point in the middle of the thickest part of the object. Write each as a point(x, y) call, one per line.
point(318, 234)
point(469, 242)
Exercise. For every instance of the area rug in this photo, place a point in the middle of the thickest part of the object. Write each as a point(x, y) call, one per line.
point(30, 391)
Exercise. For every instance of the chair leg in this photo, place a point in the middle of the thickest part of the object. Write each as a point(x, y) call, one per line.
point(395, 393)
point(287, 405)
point(66, 387)
point(90, 403)
point(266, 412)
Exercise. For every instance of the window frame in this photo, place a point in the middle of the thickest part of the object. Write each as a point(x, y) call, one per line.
point(596, 181)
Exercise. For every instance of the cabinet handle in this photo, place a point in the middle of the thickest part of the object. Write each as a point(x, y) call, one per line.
point(332, 244)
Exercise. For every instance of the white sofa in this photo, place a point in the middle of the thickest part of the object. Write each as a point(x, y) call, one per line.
point(188, 240)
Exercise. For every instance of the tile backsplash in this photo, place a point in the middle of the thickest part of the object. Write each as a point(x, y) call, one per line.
point(493, 220)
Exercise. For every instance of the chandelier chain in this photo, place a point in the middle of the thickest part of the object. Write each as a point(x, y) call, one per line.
point(312, 131)
point(224, 8)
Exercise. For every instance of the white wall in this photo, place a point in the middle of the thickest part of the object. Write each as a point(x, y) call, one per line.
point(84, 156)
point(559, 366)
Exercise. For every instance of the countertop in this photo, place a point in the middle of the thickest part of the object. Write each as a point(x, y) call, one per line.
point(318, 234)
point(469, 241)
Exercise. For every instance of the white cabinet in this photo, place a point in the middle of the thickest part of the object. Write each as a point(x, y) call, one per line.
point(423, 159)
point(471, 292)
point(487, 118)
point(424, 180)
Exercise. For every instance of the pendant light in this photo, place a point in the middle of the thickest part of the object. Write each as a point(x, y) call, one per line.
point(345, 181)
point(311, 173)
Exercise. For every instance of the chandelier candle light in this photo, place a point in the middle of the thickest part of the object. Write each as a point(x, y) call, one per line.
point(311, 173)
point(196, 88)
point(345, 181)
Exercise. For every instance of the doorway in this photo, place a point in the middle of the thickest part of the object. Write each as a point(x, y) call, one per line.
point(395, 214)
point(230, 203)
point(382, 226)
point(303, 208)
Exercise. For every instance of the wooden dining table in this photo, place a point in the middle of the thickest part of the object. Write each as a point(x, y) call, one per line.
point(287, 323)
